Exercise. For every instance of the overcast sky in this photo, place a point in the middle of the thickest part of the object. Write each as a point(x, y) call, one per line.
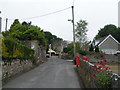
point(97, 13)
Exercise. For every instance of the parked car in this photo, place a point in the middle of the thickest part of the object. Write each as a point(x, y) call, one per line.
point(47, 55)
point(117, 52)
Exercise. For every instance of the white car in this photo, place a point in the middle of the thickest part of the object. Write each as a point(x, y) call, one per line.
point(47, 55)
point(117, 52)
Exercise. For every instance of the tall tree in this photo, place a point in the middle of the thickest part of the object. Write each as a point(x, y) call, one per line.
point(16, 22)
point(26, 31)
point(80, 32)
point(48, 37)
point(109, 29)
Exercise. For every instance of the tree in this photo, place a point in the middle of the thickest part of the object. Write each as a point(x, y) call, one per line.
point(48, 37)
point(91, 48)
point(16, 22)
point(69, 48)
point(109, 29)
point(25, 31)
point(53, 40)
point(80, 32)
point(96, 49)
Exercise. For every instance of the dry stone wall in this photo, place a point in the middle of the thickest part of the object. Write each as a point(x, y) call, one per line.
point(16, 67)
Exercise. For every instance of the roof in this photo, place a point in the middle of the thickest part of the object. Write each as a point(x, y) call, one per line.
point(107, 38)
point(96, 42)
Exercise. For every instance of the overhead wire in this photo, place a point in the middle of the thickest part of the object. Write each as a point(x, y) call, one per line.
point(44, 14)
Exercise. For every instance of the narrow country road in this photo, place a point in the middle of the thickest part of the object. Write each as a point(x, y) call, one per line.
point(56, 73)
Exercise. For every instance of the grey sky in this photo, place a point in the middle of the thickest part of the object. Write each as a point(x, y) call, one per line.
point(96, 12)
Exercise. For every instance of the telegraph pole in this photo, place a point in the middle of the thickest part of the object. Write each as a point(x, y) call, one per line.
point(6, 24)
point(0, 23)
point(73, 32)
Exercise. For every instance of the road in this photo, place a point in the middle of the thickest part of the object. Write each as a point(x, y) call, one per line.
point(56, 73)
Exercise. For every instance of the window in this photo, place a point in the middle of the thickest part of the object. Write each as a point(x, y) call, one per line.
point(109, 51)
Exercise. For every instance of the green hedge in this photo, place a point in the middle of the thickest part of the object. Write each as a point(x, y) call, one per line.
point(12, 49)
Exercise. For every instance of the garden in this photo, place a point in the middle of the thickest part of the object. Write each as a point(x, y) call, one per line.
point(97, 75)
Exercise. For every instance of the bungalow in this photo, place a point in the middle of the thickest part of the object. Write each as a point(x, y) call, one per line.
point(108, 45)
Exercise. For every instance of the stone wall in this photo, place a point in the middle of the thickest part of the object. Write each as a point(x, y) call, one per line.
point(19, 66)
point(15, 68)
point(112, 59)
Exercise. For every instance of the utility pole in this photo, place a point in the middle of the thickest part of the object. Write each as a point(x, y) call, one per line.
point(0, 23)
point(73, 32)
point(6, 24)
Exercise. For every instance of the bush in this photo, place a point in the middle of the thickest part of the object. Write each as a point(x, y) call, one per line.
point(96, 49)
point(11, 49)
point(91, 49)
point(83, 52)
point(103, 79)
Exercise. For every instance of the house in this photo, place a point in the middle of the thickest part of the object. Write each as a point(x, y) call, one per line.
point(107, 45)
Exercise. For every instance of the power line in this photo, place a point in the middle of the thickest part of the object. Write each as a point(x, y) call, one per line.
point(44, 14)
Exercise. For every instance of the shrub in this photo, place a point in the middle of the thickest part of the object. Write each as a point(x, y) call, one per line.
point(83, 52)
point(101, 76)
point(11, 49)
point(96, 49)
point(91, 48)
point(103, 79)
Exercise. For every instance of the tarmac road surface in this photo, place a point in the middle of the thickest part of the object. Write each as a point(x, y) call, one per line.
point(55, 73)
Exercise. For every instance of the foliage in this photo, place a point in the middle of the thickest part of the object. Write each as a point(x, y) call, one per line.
point(0, 47)
point(69, 49)
point(101, 76)
point(48, 37)
point(83, 52)
point(103, 79)
point(91, 48)
point(34, 33)
point(96, 49)
point(11, 49)
point(16, 22)
point(19, 32)
point(80, 31)
point(53, 40)
point(25, 31)
point(109, 29)
point(65, 49)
